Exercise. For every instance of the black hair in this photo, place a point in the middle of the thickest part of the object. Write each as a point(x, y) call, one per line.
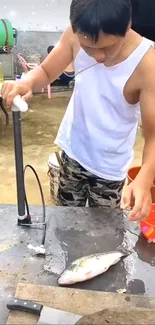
point(50, 48)
point(90, 17)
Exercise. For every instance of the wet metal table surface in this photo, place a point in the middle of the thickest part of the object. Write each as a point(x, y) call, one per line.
point(72, 233)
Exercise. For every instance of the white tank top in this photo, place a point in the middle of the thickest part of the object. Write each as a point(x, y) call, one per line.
point(99, 126)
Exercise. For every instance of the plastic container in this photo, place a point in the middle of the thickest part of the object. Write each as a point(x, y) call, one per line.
point(54, 174)
point(148, 225)
point(1, 73)
point(132, 173)
point(6, 33)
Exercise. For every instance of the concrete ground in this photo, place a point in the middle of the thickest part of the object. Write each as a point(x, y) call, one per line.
point(40, 125)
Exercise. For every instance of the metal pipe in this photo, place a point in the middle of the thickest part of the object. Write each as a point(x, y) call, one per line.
point(19, 163)
point(19, 106)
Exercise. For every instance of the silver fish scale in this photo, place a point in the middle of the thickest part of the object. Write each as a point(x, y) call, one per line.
point(96, 256)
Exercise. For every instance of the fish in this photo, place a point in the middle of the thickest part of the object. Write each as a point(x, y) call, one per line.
point(88, 267)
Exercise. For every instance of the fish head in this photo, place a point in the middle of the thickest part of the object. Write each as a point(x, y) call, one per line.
point(71, 275)
point(66, 278)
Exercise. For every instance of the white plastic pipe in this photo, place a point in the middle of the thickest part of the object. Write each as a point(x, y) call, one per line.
point(19, 104)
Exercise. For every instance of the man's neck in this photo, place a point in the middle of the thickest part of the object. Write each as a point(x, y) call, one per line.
point(131, 41)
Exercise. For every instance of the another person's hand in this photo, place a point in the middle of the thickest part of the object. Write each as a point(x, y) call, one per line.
point(10, 89)
point(137, 197)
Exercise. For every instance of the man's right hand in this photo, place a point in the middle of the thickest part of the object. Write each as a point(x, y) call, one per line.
point(10, 89)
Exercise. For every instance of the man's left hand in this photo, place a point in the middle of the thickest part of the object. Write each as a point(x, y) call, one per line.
point(137, 197)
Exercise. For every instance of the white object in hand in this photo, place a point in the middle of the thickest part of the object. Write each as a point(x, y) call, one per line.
point(20, 104)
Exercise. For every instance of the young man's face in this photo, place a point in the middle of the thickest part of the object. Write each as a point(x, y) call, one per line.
point(106, 48)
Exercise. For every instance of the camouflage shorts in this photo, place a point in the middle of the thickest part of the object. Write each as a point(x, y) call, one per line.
point(77, 185)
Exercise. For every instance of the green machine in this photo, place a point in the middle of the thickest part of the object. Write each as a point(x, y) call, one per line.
point(8, 40)
point(7, 34)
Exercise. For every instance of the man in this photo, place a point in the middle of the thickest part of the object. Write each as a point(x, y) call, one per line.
point(114, 89)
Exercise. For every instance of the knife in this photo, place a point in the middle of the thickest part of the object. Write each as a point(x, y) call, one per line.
point(47, 315)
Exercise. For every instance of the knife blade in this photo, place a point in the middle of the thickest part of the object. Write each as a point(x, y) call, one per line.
point(50, 316)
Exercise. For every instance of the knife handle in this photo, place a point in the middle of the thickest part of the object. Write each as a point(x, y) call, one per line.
point(25, 305)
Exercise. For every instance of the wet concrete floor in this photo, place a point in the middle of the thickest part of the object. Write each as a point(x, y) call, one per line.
point(40, 125)
point(72, 233)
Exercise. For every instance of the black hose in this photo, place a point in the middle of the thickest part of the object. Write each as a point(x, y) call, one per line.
point(4, 110)
point(42, 199)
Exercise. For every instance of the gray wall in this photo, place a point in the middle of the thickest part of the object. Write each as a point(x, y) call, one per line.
point(34, 43)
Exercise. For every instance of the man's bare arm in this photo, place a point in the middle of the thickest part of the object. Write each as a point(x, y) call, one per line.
point(137, 193)
point(54, 64)
point(147, 103)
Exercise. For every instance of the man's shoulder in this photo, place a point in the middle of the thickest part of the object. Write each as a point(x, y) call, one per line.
point(73, 40)
point(68, 32)
point(146, 68)
point(144, 74)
